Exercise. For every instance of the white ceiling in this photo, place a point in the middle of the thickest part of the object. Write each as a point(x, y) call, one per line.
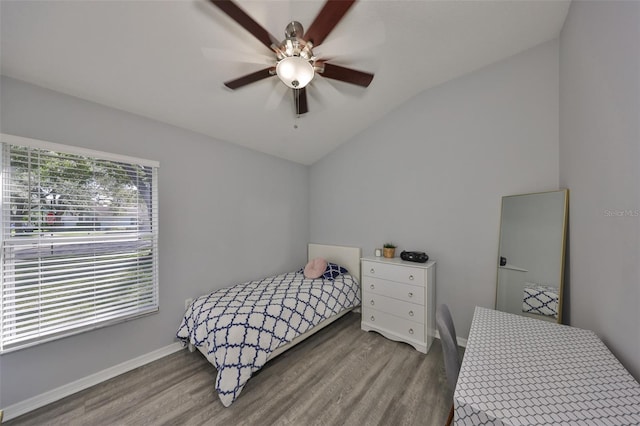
point(167, 60)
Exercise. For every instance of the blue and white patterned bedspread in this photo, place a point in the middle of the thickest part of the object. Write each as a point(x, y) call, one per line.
point(540, 299)
point(238, 327)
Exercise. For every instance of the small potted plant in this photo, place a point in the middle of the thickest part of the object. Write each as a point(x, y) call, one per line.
point(389, 250)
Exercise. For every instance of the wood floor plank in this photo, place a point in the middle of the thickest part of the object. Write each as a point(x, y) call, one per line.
point(340, 376)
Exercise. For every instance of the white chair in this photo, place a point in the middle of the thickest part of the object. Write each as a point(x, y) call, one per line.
point(447, 331)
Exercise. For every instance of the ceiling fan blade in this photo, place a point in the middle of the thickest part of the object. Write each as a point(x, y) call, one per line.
point(300, 100)
point(250, 78)
point(276, 96)
point(364, 40)
point(348, 75)
point(332, 12)
point(325, 93)
point(241, 17)
point(232, 55)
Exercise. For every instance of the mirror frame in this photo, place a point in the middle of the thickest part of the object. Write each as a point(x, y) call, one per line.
point(565, 227)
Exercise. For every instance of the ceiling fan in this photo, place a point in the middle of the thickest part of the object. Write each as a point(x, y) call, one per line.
point(295, 63)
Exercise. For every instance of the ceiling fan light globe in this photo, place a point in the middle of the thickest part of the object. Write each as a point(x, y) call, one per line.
point(295, 72)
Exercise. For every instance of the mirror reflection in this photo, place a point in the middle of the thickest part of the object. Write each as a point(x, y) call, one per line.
point(531, 254)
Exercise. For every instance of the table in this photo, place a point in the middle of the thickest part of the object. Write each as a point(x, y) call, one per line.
point(523, 371)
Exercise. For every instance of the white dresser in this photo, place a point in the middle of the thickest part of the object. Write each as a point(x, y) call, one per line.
point(398, 300)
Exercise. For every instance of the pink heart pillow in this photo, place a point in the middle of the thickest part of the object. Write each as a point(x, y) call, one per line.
point(315, 268)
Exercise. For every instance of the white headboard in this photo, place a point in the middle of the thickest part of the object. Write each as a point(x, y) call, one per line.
point(349, 257)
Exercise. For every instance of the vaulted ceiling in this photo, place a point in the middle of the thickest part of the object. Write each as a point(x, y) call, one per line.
point(167, 60)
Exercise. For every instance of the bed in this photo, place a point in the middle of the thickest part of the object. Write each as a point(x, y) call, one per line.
point(239, 328)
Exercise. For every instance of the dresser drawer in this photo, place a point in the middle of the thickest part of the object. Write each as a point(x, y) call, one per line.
point(398, 326)
point(399, 308)
point(409, 293)
point(401, 274)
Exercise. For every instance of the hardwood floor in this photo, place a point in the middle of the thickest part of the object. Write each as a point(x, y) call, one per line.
point(340, 376)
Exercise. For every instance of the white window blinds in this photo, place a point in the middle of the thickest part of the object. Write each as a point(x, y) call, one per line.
point(79, 240)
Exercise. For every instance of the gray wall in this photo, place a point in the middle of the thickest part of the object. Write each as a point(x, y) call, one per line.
point(221, 221)
point(600, 162)
point(431, 175)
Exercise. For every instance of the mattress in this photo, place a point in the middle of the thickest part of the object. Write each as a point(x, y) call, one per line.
point(237, 328)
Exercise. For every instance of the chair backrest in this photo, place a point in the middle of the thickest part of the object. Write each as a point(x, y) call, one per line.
point(447, 331)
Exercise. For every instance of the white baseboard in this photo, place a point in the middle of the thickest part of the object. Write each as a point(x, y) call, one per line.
point(43, 399)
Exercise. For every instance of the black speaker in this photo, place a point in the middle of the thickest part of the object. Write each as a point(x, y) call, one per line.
point(414, 256)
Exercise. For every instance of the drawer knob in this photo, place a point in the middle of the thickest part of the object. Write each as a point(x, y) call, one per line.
point(410, 277)
point(411, 331)
point(373, 318)
point(410, 294)
point(410, 313)
point(372, 286)
point(372, 303)
point(373, 271)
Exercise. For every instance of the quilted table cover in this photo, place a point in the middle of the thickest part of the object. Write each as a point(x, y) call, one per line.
point(238, 327)
point(524, 371)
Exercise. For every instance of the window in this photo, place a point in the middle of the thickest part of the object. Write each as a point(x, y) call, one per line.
point(79, 240)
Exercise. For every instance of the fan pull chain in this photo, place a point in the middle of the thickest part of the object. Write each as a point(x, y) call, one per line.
point(296, 101)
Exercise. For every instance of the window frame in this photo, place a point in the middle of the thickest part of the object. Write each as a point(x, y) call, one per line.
point(150, 285)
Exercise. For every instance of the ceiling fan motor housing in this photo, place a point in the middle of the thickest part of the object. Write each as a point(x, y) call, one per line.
point(294, 29)
point(295, 58)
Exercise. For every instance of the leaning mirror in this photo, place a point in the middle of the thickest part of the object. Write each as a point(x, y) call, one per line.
point(533, 229)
